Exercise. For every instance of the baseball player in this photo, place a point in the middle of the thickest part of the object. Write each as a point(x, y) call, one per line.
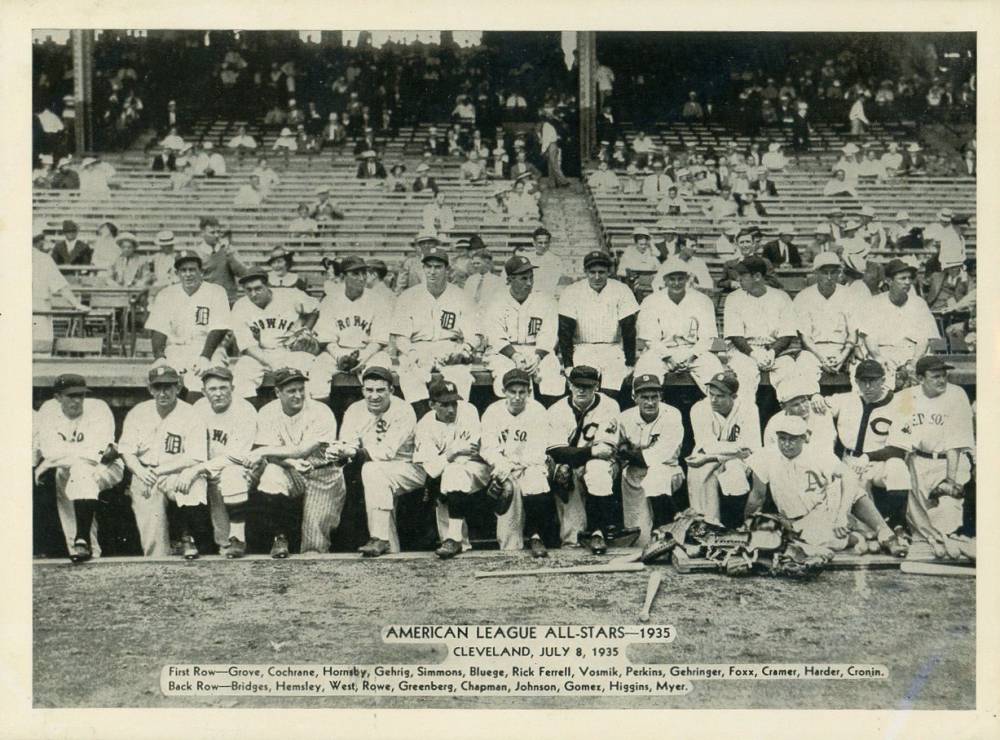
point(676, 330)
point(515, 432)
point(521, 328)
point(796, 394)
point(726, 428)
point(352, 329)
point(232, 428)
point(937, 436)
point(189, 320)
point(161, 439)
point(378, 433)
point(863, 419)
point(294, 434)
point(584, 429)
point(651, 434)
point(898, 325)
point(270, 325)
point(597, 323)
point(814, 490)
point(73, 434)
point(446, 446)
point(824, 312)
point(758, 321)
point(434, 328)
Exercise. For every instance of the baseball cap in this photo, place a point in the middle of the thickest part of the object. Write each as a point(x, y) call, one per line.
point(869, 370)
point(597, 257)
point(217, 371)
point(378, 372)
point(515, 377)
point(932, 362)
point(826, 259)
point(443, 391)
point(754, 264)
point(584, 375)
point(352, 263)
point(897, 266)
point(254, 274)
point(426, 237)
point(794, 425)
point(187, 255)
point(645, 382)
point(435, 253)
point(727, 382)
point(163, 375)
point(517, 265)
point(675, 264)
point(285, 375)
point(795, 387)
point(69, 382)
point(164, 237)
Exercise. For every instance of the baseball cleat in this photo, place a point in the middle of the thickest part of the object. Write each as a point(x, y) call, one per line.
point(449, 549)
point(538, 548)
point(235, 549)
point(80, 552)
point(373, 548)
point(279, 549)
point(188, 549)
point(597, 544)
point(176, 547)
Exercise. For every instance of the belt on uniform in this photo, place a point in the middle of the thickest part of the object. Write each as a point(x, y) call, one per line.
point(930, 455)
point(853, 453)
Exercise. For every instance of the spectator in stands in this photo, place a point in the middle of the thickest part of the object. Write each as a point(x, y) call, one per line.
point(411, 272)
point(914, 163)
point(394, 181)
point(739, 180)
point(872, 165)
point(656, 185)
point(464, 111)
point(850, 163)
point(280, 274)
point(250, 195)
point(948, 239)
point(472, 170)
point(834, 222)
point(215, 164)
point(286, 143)
point(334, 133)
point(549, 145)
point(269, 179)
point(749, 208)
point(94, 175)
point(130, 270)
point(692, 110)
point(370, 168)
point(70, 250)
point(549, 266)
point(106, 249)
point(620, 157)
point(521, 205)
point(697, 269)
point(823, 242)
point(969, 162)
point(41, 176)
point(644, 149)
point(898, 235)
point(783, 250)
point(850, 241)
point(172, 141)
point(801, 130)
point(892, 160)
point(165, 160)
point(639, 257)
point(437, 216)
point(242, 143)
point(423, 180)
point(603, 180)
point(722, 205)
point(65, 177)
point(871, 231)
point(672, 204)
point(774, 160)
point(435, 143)
point(334, 276)
point(858, 120)
point(183, 178)
point(839, 185)
point(521, 167)
point(219, 263)
point(482, 285)
point(303, 224)
point(945, 289)
point(365, 143)
point(632, 180)
point(499, 162)
point(496, 206)
point(764, 186)
point(163, 271)
point(725, 245)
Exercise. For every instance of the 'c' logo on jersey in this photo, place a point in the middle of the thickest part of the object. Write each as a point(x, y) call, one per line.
point(588, 432)
point(534, 326)
point(172, 444)
point(880, 425)
point(447, 320)
point(201, 316)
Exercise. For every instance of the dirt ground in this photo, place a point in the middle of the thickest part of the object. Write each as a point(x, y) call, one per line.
point(103, 632)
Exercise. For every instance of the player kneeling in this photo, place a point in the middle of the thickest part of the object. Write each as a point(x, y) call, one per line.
point(447, 448)
point(515, 431)
point(651, 437)
point(817, 493)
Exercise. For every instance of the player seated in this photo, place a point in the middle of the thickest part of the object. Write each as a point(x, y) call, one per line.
point(584, 442)
point(650, 440)
point(446, 446)
point(819, 495)
point(514, 437)
point(799, 396)
point(824, 312)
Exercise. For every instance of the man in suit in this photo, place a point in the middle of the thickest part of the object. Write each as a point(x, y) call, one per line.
point(764, 185)
point(365, 144)
point(370, 168)
point(70, 250)
point(782, 251)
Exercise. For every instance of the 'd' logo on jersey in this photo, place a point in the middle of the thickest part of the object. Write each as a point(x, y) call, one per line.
point(173, 444)
point(534, 326)
point(448, 320)
point(201, 315)
point(220, 436)
point(734, 433)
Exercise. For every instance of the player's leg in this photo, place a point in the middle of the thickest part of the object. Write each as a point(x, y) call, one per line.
point(324, 502)
point(783, 368)
point(321, 373)
point(67, 510)
point(414, 371)
point(808, 365)
point(248, 374)
point(510, 524)
point(381, 481)
point(572, 512)
point(459, 481)
point(598, 478)
point(636, 511)
point(84, 482)
point(277, 508)
point(192, 506)
point(746, 371)
point(933, 520)
point(705, 365)
point(231, 491)
point(150, 509)
point(888, 483)
point(219, 515)
point(551, 381)
point(499, 365)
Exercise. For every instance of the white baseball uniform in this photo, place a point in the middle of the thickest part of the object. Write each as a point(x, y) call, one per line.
point(267, 330)
point(897, 331)
point(527, 327)
point(435, 327)
point(388, 438)
point(864, 428)
point(660, 441)
point(84, 438)
point(927, 429)
point(186, 321)
point(345, 326)
point(230, 432)
point(678, 331)
point(464, 474)
point(155, 441)
point(715, 434)
point(759, 320)
point(822, 433)
point(698, 275)
point(826, 323)
point(598, 424)
point(597, 341)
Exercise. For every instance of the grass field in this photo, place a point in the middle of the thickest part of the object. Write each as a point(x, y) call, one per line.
point(102, 632)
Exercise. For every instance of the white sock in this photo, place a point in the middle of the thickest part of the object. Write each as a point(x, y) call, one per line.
point(378, 523)
point(455, 530)
point(238, 530)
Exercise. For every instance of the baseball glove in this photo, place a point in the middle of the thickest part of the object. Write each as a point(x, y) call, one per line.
point(110, 454)
point(348, 363)
point(455, 358)
point(303, 340)
point(561, 480)
point(501, 493)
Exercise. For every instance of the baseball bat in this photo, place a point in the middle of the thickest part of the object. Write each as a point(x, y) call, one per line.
point(938, 569)
point(651, 588)
point(576, 570)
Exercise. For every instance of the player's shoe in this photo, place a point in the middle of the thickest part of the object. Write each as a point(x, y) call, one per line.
point(176, 547)
point(188, 549)
point(235, 549)
point(80, 552)
point(597, 544)
point(449, 549)
point(538, 548)
point(279, 549)
point(374, 548)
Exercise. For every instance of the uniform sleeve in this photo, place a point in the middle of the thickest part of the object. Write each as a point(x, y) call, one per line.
point(242, 439)
point(350, 432)
point(627, 304)
point(102, 433)
point(548, 336)
point(925, 325)
point(267, 430)
point(607, 428)
point(50, 442)
point(558, 433)
point(668, 445)
point(708, 328)
point(732, 319)
point(196, 441)
point(787, 325)
point(490, 442)
point(240, 326)
point(759, 463)
point(770, 436)
point(159, 314)
point(326, 327)
point(219, 310)
point(646, 324)
point(402, 323)
point(132, 432)
point(568, 301)
point(425, 449)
